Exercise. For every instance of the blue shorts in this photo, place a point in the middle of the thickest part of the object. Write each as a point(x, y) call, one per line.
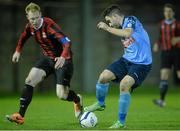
point(123, 67)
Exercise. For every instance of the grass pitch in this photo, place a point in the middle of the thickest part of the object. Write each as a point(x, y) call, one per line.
point(50, 113)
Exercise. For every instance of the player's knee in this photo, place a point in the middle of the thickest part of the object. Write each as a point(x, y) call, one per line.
point(29, 81)
point(35, 76)
point(164, 77)
point(103, 78)
point(124, 87)
point(61, 92)
point(33, 80)
point(178, 74)
point(61, 95)
point(164, 74)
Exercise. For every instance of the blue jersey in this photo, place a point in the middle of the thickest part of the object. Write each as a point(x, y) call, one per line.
point(137, 48)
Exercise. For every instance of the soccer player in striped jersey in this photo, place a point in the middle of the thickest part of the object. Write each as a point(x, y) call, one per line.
point(169, 43)
point(130, 70)
point(57, 59)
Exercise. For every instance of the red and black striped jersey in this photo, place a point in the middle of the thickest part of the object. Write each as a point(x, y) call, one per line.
point(167, 32)
point(49, 36)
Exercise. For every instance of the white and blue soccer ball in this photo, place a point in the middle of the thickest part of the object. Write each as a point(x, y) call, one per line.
point(88, 119)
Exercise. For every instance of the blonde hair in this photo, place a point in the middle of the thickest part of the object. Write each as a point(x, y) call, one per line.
point(32, 7)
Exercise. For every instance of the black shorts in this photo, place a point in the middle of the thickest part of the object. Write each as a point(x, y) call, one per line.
point(171, 59)
point(122, 67)
point(63, 75)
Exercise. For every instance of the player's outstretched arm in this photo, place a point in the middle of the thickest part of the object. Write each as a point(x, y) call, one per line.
point(16, 57)
point(176, 39)
point(119, 32)
point(22, 39)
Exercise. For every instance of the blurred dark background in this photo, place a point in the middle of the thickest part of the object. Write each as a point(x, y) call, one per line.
point(93, 49)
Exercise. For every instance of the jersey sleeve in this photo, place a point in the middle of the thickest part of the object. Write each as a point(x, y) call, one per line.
point(178, 29)
point(131, 23)
point(23, 38)
point(159, 40)
point(55, 30)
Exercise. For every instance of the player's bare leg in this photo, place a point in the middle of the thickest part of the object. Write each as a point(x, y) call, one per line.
point(163, 87)
point(124, 101)
point(64, 93)
point(101, 91)
point(178, 74)
point(106, 76)
point(35, 76)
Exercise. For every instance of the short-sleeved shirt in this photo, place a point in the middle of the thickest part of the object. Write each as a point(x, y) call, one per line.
point(137, 47)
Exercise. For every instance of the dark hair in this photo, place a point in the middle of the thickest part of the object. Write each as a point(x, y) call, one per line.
point(168, 5)
point(111, 10)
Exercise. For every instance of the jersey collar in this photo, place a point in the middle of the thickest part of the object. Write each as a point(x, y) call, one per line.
point(169, 21)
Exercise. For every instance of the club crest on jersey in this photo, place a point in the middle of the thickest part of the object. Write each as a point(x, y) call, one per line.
point(44, 35)
point(129, 25)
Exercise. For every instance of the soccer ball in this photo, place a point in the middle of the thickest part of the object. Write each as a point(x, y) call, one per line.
point(88, 119)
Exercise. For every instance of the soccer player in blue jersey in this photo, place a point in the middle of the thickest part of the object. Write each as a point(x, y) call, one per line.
point(131, 69)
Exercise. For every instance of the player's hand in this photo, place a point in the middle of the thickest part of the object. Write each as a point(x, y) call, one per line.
point(16, 57)
point(102, 25)
point(174, 41)
point(59, 62)
point(155, 47)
